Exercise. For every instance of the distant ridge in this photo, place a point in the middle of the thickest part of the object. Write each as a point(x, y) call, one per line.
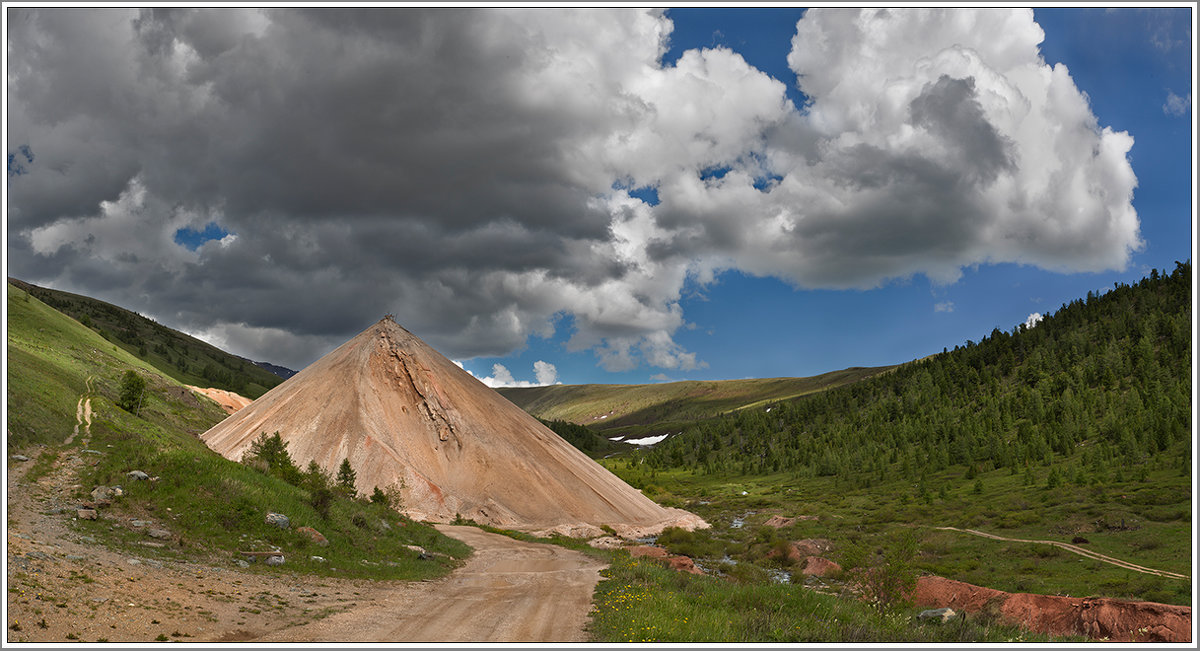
point(404, 415)
point(180, 356)
point(281, 371)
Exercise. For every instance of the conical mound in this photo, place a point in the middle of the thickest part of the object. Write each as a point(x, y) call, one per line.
point(405, 415)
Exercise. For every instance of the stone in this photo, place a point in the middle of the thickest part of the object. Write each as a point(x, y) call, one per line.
point(818, 566)
point(243, 564)
point(314, 535)
point(275, 560)
point(161, 534)
point(19, 457)
point(138, 524)
point(137, 475)
point(86, 514)
point(317, 559)
point(683, 564)
point(936, 615)
point(278, 520)
point(103, 495)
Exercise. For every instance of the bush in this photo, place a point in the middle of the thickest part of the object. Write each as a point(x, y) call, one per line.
point(132, 388)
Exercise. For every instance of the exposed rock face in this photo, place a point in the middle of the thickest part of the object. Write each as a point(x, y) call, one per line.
point(1099, 618)
point(405, 415)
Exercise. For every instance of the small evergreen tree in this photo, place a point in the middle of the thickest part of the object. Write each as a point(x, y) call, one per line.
point(346, 477)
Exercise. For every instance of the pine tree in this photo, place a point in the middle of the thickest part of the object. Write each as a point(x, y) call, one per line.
point(346, 477)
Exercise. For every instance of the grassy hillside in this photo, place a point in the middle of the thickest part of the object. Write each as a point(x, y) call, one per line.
point(213, 507)
point(645, 409)
point(1078, 427)
point(182, 357)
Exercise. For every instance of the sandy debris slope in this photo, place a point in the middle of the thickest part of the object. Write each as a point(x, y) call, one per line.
point(509, 591)
point(403, 414)
point(229, 401)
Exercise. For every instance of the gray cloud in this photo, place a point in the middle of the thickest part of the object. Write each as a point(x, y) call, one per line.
point(457, 167)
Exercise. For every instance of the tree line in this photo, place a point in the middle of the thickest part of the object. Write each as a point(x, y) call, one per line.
point(1104, 382)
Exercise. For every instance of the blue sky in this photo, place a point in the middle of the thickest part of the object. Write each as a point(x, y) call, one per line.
point(729, 193)
point(1127, 60)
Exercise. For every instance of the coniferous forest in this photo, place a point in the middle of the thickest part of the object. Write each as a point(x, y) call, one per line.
point(1100, 389)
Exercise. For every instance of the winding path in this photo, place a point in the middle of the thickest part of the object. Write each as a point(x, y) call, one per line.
point(83, 414)
point(509, 591)
point(1077, 550)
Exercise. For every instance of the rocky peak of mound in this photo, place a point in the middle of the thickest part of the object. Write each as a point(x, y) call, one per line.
point(406, 416)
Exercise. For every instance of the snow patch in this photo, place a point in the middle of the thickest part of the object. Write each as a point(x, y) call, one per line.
point(649, 440)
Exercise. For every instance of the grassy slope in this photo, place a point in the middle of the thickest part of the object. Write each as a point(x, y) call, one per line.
point(215, 506)
point(645, 408)
point(173, 353)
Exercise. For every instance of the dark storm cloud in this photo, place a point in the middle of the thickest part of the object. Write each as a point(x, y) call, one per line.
point(457, 167)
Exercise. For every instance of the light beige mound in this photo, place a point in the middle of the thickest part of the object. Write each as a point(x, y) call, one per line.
point(405, 415)
point(229, 401)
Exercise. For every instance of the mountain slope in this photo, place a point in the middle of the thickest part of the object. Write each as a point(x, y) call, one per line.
point(404, 415)
point(1107, 378)
point(182, 357)
point(612, 406)
point(210, 505)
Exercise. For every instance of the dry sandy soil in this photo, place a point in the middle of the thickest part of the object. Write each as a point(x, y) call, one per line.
point(63, 587)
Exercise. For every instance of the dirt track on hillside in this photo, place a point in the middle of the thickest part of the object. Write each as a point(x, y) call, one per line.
point(1077, 550)
point(509, 591)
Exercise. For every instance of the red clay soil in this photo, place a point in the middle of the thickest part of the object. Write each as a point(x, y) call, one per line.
point(818, 566)
point(1099, 618)
point(677, 563)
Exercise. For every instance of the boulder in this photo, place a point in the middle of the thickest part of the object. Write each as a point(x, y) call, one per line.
point(314, 535)
point(137, 475)
point(819, 566)
point(86, 514)
point(936, 615)
point(104, 495)
point(683, 564)
point(161, 534)
point(19, 457)
point(278, 520)
point(1079, 540)
point(275, 560)
point(317, 559)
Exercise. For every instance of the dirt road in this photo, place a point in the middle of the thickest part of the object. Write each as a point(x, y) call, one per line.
point(1076, 550)
point(509, 591)
point(63, 586)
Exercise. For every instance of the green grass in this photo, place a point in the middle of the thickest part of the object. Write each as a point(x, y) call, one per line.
point(640, 601)
point(648, 409)
point(863, 515)
point(172, 353)
point(214, 507)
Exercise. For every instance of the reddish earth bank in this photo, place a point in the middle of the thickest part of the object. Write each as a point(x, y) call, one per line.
point(1099, 618)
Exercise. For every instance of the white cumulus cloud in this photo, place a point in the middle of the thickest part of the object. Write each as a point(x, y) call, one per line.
point(372, 178)
point(544, 372)
point(1033, 319)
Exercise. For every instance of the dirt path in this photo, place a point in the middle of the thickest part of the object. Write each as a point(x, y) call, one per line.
point(1077, 550)
point(64, 587)
point(509, 591)
point(83, 414)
